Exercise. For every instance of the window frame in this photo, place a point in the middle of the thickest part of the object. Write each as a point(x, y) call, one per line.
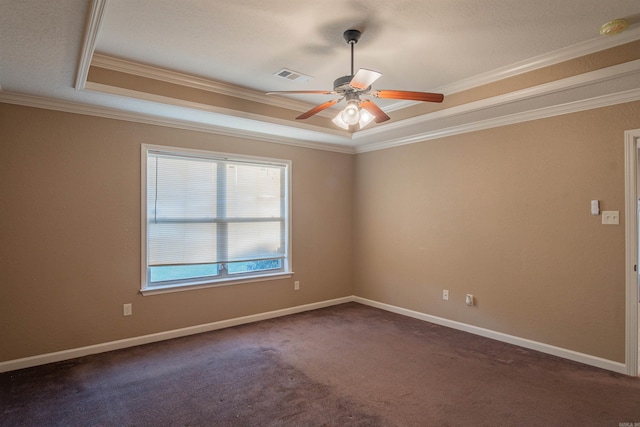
point(227, 278)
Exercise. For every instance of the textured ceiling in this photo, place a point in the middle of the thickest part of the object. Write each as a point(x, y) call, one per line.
point(417, 45)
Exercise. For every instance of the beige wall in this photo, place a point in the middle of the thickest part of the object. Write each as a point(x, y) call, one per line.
point(503, 214)
point(70, 233)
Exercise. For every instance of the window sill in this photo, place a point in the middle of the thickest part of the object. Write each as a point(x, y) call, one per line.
point(201, 285)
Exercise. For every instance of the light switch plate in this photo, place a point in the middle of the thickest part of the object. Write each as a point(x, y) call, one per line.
point(611, 217)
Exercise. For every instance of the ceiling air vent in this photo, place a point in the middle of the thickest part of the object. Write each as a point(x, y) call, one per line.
point(295, 76)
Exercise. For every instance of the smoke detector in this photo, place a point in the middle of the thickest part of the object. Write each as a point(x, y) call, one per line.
point(614, 27)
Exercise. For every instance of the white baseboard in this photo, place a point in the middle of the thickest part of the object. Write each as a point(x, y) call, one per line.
point(58, 356)
point(499, 336)
point(42, 359)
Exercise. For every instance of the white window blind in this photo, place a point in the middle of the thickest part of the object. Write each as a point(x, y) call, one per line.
point(203, 209)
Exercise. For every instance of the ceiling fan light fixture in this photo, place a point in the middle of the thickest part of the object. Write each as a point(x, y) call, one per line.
point(357, 113)
point(365, 117)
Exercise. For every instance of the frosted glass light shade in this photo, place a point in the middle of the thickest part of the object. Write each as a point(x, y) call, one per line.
point(365, 118)
point(351, 114)
point(339, 122)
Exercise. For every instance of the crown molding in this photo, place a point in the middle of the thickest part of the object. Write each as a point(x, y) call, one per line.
point(585, 79)
point(94, 24)
point(329, 135)
point(581, 49)
point(105, 112)
point(565, 54)
point(359, 139)
point(552, 58)
point(540, 113)
point(561, 55)
point(136, 117)
point(187, 80)
point(267, 129)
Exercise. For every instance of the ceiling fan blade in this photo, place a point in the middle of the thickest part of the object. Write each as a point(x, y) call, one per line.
point(317, 109)
point(293, 92)
point(364, 78)
point(412, 96)
point(370, 106)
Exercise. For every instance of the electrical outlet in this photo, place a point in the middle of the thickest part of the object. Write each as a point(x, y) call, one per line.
point(445, 294)
point(469, 300)
point(296, 285)
point(126, 310)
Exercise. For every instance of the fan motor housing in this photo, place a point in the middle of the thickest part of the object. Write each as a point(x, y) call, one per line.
point(341, 84)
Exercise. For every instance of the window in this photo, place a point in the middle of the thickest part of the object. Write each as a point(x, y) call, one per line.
point(212, 218)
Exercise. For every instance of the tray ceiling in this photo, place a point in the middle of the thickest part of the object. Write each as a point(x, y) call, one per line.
point(233, 48)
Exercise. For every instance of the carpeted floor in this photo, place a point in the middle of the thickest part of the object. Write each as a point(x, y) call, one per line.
point(348, 365)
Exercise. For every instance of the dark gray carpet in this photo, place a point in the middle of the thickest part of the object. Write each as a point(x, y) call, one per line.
point(344, 365)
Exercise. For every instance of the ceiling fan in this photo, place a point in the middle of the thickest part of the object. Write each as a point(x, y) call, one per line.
point(359, 111)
